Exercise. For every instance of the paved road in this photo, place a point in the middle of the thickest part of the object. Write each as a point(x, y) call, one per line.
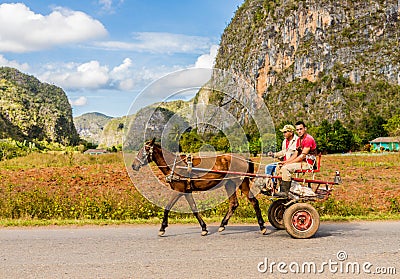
point(239, 252)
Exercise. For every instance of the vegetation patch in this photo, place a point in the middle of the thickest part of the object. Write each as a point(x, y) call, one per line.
point(97, 188)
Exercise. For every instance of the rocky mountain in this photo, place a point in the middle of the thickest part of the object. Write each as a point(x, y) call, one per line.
point(30, 109)
point(106, 131)
point(90, 126)
point(164, 121)
point(113, 132)
point(317, 59)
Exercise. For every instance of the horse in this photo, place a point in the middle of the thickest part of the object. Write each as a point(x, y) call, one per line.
point(184, 181)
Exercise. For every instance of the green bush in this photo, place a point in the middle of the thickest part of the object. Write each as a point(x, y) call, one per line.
point(62, 204)
point(394, 205)
point(334, 207)
point(10, 149)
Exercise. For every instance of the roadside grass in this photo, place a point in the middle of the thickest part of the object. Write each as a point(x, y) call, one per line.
point(54, 189)
point(210, 221)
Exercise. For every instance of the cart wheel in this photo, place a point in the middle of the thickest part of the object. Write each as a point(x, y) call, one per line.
point(275, 213)
point(301, 220)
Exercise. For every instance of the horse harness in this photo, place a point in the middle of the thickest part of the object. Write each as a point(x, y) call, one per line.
point(176, 177)
point(173, 176)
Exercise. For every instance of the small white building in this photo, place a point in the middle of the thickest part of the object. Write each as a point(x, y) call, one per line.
point(95, 151)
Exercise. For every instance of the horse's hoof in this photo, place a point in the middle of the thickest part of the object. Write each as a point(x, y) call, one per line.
point(264, 231)
point(221, 229)
point(161, 233)
point(204, 233)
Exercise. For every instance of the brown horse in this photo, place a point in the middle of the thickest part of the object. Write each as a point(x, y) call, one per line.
point(184, 181)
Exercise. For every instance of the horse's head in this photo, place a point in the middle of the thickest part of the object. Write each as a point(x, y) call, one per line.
point(144, 156)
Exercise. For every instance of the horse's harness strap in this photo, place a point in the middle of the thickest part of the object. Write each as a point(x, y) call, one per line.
point(146, 155)
point(189, 160)
point(189, 170)
point(189, 164)
point(172, 177)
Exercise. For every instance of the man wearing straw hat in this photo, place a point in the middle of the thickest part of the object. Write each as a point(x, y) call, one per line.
point(304, 158)
point(288, 144)
point(287, 151)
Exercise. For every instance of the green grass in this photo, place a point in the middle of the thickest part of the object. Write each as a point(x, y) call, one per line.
point(214, 220)
point(370, 217)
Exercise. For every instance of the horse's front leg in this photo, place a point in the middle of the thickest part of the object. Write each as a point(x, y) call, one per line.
point(230, 188)
point(167, 209)
point(190, 200)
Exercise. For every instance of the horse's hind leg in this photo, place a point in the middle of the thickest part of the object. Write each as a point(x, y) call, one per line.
point(257, 209)
point(253, 200)
point(167, 209)
point(233, 204)
point(190, 200)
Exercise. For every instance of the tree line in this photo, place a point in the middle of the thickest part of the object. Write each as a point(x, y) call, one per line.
point(330, 138)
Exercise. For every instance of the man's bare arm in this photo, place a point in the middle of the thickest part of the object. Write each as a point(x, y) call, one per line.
point(299, 157)
point(292, 159)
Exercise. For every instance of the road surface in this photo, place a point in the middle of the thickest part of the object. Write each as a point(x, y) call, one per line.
point(338, 250)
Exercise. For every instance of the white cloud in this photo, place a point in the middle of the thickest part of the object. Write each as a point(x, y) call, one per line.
point(207, 60)
point(93, 75)
point(126, 84)
point(90, 75)
point(81, 101)
point(158, 42)
point(108, 5)
point(120, 71)
point(13, 64)
point(22, 30)
point(122, 76)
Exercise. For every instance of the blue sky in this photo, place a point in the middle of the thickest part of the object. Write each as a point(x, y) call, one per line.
point(104, 52)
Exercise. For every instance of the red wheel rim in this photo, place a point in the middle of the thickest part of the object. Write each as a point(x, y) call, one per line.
point(302, 220)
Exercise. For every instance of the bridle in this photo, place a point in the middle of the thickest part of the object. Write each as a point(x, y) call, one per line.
point(146, 155)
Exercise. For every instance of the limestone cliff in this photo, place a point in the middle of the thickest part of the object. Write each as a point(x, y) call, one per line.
point(318, 60)
point(113, 132)
point(90, 126)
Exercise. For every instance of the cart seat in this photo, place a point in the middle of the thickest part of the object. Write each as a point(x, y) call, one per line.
point(317, 167)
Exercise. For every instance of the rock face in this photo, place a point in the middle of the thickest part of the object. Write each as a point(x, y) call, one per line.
point(317, 60)
point(113, 132)
point(160, 120)
point(90, 126)
point(30, 109)
point(106, 131)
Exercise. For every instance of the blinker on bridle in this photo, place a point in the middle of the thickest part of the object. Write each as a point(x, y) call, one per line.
point(146, 156)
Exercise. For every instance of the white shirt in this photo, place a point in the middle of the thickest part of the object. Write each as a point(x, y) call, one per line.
point(287, 152)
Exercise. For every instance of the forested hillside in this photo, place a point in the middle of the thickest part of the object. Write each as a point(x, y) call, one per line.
point(30, 109)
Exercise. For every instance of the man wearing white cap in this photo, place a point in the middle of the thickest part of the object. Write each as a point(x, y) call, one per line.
point(288, 144)
point(287, 151)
